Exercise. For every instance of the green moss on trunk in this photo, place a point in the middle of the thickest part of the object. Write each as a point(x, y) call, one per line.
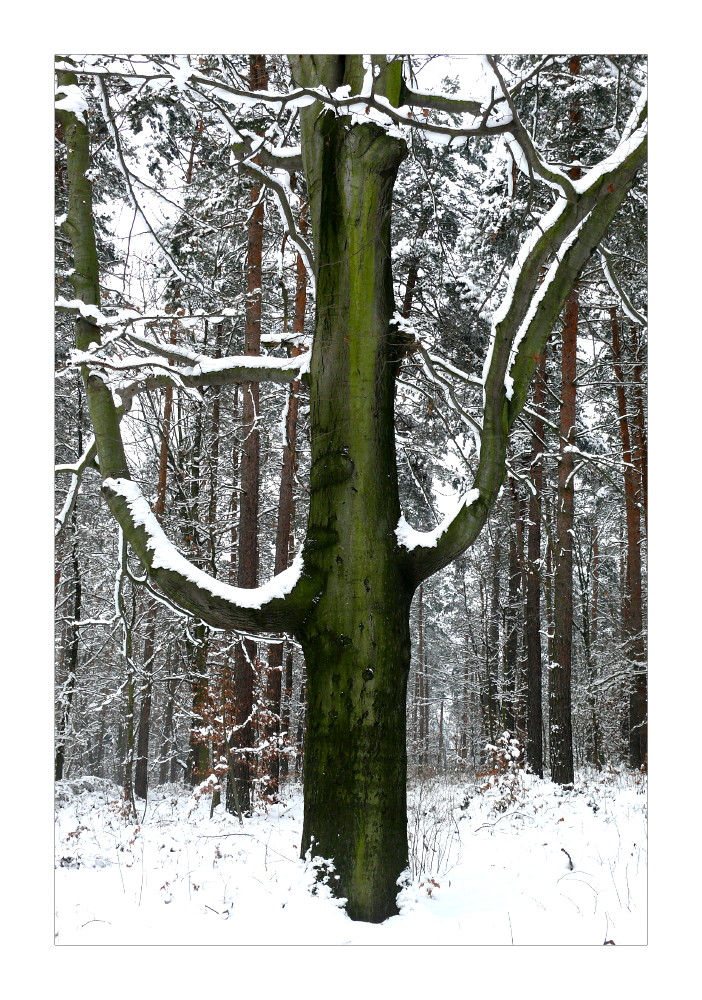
point(356, 640)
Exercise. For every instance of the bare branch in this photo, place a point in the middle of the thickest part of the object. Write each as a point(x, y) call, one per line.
point(86, 461)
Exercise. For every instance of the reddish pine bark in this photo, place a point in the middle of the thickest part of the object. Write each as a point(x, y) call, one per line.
point(532, 625)
point(632, 618)
point(639, 439)
point(246, 656)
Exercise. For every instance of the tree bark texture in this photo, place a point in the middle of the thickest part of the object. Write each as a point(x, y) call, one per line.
point(141, 771)
point(246, 655)
point(560, 670)
point(71, 662)
point(356, 640)
point(532, 623)
point(511, 641)
point(639, 437)
point(286, 510)
point(560, 716)
point(633, 606)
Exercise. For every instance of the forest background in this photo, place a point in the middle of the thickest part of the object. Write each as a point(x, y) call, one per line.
point(674, 541)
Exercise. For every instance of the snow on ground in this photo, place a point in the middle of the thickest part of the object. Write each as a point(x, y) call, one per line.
point(489, 866)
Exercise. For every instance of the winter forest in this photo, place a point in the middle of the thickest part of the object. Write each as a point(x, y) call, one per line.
point(351, 499)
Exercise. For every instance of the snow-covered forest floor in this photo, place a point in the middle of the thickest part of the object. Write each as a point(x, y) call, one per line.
point(520, 863)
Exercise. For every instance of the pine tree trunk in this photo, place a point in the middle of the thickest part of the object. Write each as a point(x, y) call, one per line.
point(286, 711)
point(594, 611)
point(286, 509)
point(142, 758)
point(560, 674)
point(246, 655)
point(511, 644)
point(492, 653)
point(465, 705)
point(639, 438)
point(168, 747)
point(141, 773)
point(141, 767)
point(560, 716)
point(74, 641)
point(633, 610)
point(199, 758)
point(532, 623)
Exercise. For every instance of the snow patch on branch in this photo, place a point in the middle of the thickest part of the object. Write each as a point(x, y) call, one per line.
point(537, 300)
point(409, 538)
point(207, 365)
point(166, 556)
point(636, 112)
point(546, 222)
point(72, 99)
point(611, 162)
point(182, 73)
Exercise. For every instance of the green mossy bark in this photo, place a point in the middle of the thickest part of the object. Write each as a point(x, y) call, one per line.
point(80, 229)
point(356, 640)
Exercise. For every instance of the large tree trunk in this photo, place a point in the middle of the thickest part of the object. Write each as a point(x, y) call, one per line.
point(356, 641)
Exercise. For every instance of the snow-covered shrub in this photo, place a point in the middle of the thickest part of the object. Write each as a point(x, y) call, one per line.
point(504, 772)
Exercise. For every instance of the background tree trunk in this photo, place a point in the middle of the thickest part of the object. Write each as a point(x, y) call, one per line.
point(511, 642)
point(560, 673)
point(560, 716)
point(492, 652)
point(286, 509)
point(632, 612)
point(246, 655)
point(532, 622)
point(141, 773)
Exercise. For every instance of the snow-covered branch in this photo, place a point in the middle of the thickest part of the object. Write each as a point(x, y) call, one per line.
point(627, 305)
point(284, 208)
point(76, 470)
point(275, 606)
point(567, 235)
point(523, 150)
